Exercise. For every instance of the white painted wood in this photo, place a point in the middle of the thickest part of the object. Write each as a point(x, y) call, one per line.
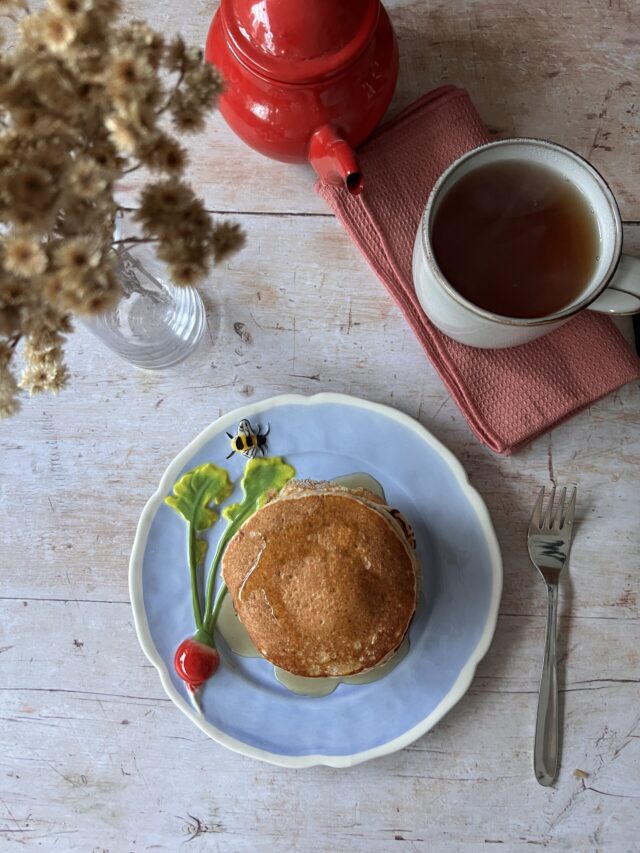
point(563, 71)
point(93, 757)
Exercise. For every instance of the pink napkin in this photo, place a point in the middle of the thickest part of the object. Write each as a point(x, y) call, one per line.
point(508, 396)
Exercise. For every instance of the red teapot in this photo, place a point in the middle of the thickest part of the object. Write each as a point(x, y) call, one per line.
point(305, 80)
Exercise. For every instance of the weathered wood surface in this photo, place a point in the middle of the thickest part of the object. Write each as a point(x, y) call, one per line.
point(93, 756)
point(566, 71)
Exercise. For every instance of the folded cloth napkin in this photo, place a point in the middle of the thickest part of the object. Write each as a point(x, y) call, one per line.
point(508, 396)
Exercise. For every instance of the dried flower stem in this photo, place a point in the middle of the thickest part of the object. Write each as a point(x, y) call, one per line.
point(142, 240)
point(171, 97)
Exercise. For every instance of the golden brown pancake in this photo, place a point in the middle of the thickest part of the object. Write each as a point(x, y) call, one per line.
point(324, 579)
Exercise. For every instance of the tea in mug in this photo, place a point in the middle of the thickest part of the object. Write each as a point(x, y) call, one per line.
point(516, 238)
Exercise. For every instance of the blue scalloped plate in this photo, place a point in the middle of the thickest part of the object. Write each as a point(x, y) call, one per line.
point(243, 707)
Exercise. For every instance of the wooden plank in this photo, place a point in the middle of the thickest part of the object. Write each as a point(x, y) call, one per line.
point(319, 323)
point(566, 72)
point(92, 759)
point(631, 243)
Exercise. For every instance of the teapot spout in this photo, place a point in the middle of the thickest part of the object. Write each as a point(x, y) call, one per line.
point(335, 160)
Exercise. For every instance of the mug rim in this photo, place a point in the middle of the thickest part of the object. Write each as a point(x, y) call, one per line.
point(504, 319)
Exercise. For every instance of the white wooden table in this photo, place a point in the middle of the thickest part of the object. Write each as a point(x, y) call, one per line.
point(93, 756)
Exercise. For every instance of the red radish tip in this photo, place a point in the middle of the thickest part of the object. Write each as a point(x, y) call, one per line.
point(195, 662)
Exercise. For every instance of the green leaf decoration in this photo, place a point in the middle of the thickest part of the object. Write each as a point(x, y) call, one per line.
point(262, 479)
point(196, 490)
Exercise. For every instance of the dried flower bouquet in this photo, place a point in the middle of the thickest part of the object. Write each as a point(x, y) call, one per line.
point(86, 99)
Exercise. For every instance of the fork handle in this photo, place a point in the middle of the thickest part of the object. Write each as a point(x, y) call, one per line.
point(545, 752)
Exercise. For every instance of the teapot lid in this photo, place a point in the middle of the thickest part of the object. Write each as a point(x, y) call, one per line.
point(295, 42)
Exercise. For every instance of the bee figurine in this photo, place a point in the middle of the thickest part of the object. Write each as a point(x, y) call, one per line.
point(247, 440)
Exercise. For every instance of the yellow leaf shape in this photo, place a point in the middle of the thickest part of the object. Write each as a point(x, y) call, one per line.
point(262, 479)
point(196, 490)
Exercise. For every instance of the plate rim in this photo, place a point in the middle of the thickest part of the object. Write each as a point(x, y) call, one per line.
point(465, 677)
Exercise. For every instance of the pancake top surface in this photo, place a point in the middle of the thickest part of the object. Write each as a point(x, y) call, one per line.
point(324, 583)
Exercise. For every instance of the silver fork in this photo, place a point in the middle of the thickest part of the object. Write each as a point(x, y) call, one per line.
point(549, 543)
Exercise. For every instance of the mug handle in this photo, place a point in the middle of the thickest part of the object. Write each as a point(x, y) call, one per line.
point(622, 295)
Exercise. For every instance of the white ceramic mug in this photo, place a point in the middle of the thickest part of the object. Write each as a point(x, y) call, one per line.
point(613, 289)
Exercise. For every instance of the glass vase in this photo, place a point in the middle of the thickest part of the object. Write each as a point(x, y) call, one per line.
point(156, 323)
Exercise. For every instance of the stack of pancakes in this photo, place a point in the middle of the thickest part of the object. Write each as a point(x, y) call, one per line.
point(324, 579)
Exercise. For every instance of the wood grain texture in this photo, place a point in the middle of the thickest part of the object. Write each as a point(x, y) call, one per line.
point(93, 756)
point(569, 72)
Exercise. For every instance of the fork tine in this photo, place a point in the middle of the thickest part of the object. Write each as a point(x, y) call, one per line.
point(559, 513)
point(548, 516)
point(567, 521)
point(536, 515)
